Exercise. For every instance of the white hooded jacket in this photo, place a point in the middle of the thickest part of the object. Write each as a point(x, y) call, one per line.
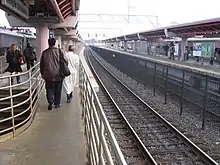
point(73, 65)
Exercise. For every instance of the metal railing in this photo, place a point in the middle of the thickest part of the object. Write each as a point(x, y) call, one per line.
point(102, 145)
point(19, 102)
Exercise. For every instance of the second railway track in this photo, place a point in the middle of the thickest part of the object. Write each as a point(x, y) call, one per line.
point(151, 132)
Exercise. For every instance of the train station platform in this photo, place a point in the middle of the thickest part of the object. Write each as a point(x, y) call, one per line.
point(191, 62)
point(55, 137)
point(40, 136)
point(192, 65)
point(32, 135)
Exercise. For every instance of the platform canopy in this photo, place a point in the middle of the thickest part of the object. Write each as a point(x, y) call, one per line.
point(210, 27)
point(29, 13)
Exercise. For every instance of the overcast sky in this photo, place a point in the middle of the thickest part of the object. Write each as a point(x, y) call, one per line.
point(168, 12)
point(4, 21)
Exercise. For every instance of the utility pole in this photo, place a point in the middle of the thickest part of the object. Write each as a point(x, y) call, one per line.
point(128, 11)
point(157, 20)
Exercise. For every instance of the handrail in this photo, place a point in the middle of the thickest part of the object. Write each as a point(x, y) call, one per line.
point(19, 119)
point(21, 73)
point(99, 135)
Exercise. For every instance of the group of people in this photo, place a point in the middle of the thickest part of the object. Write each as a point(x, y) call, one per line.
point(50, 71)
point(15, 59)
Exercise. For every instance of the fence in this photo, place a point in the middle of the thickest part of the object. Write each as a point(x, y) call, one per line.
point(102, 145)
point(19, 102)
point(195, 93)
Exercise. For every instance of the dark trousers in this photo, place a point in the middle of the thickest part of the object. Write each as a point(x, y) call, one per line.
point(54, 90)
point(18, 79)
point(172, 56)
point(30, 64)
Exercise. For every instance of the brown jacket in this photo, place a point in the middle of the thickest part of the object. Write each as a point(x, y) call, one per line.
point(50, 65)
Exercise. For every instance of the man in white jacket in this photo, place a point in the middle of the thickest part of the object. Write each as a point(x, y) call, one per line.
point(70, 82)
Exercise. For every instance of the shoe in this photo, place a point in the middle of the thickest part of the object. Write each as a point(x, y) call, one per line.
point(68, 98)
point(58, 106)
point(50, 106)
point(71, 95)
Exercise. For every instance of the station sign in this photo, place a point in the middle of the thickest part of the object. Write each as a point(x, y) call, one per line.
point(17, 7)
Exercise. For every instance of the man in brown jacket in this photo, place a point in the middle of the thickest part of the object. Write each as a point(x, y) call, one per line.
point(50, 72)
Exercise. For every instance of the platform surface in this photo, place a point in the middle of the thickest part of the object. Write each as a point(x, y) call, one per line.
point(192, 65)
point(55, 138)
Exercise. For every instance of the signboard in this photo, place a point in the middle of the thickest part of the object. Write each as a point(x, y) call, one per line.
point(17, 7)
point(176, 47)
point(197, 49)
point(206, 49)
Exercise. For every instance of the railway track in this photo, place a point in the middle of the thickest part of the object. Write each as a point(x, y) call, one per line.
point(149, 132)
point(191, 96)
point(132, 148)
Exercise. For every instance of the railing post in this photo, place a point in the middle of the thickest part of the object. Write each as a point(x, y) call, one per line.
point(205, 102)
point(80, 83)
point(166, 81)
point(12, 105)
point(137, 62)
point(145, 66)
point(132, 76)
point(30, 90)
point(100, 150)
point(182, 90)
point(89, 122)
point(154, 79)
point(1, 66)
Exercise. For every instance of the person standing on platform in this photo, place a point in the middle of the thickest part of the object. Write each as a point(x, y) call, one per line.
point(218, 53)
point(70, 82)
point(30, 56)
point(15, 60)
point(172, 51)
point(166, 49)
point(187, 52)
point(50, 71)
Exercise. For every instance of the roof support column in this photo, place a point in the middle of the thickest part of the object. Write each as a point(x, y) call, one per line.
point(59, 41)
point(42, 34)
point(143, 47)
point(134, 43)
point(183, 49)
point(107, 44)
point(125, 45)
point(149, 52)
point(2, 40)
point(137, 46)
point(64, 45)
